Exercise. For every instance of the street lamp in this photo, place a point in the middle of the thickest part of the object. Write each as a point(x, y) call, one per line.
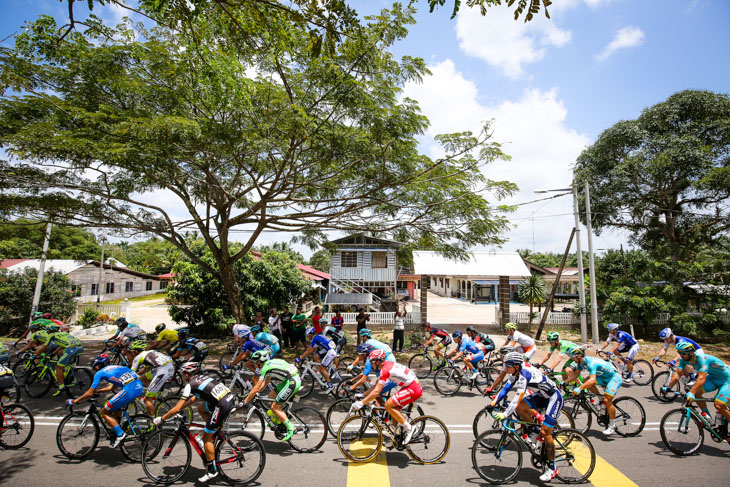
point(581, 276)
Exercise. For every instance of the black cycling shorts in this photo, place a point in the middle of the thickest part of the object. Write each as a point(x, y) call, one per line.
point(219, 413)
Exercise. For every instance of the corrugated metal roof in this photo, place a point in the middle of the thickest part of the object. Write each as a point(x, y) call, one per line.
point(479, 264)
point(349, 298)
point(63, 265)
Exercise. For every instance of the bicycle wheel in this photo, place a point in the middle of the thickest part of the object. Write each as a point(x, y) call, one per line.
point(565, 420)
point(248, 419)
point(421, 364)
point(447, 381)
point(241, 457)
point(483, 422)
point(18, 427)
point(175, 384)
point(662, 380)
point(430, 442)
point(38, 382)
point(485, 378)
point(345, 361)
point(630, 416)
point(575, 457)
point(336, 414)
point(78, 381)
point(20, 369)
point(77, 435)
point(582, 417)
point(172, 459)
point(496, 456)
point(13, 393)
point(681, 432)
point(163, 406)
point(342, 386)
point(139, 430)
point(307, 385)
point(225, 359)
point(643, 372)
point(310, 429)
point(359, 438)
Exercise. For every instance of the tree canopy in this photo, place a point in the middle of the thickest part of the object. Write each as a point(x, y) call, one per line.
point(23, 239)
point(236, 124)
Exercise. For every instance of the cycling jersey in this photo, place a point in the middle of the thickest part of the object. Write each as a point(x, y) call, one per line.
point(716, 369)
point(622, 337)
point(133, 331)
point(253, 346)
point(484, 340)
point(322, 344)
point(269, 340)
point(606, 375)
point(541, 386)
point(4, 353)
point(167, 335)
point(678, 340)
point(525, 341)
point(468, 346)
point(41, 336)
point(5, 371)
point(369, 367)
point(116, 375)
point(198, 349)
point(218, 398)
point(62, 340)
point(151, 358)
point(6, 380)
point(440, 332)
point(279, 371)
point(563, 346)
point(239, 330)
point(398, 373)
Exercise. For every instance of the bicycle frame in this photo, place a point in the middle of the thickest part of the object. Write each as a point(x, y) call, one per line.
point(690, 410)
point(95, 410)
point(309, 367)
point(259, 403)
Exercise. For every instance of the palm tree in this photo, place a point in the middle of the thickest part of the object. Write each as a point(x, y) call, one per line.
point(533, 291)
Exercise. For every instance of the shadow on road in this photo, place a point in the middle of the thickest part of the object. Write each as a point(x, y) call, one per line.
point(10, 466)
point(709, 450)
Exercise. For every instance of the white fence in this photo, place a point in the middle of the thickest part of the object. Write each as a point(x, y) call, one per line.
point(380, 318)
point(556, 318)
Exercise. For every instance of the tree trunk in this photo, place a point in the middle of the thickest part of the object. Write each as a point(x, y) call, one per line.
point(529, 320)
point(233, 292)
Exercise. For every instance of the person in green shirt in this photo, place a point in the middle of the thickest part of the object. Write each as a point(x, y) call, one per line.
point(562, 346)
point(299, 324)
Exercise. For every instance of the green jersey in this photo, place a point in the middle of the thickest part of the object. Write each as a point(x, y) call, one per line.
point(564, 346)
point(41, 336)
point(296, 324)
point(279, 371)
point(64, 340)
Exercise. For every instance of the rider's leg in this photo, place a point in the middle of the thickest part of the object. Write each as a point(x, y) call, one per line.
point(149, 404)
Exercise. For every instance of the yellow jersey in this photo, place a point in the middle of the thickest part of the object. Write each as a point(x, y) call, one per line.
point(169, 335)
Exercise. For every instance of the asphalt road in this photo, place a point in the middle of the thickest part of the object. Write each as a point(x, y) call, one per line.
point(641, 460)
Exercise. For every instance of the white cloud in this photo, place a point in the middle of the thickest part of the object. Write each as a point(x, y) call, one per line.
point(507, 44)
point(626, 37)
point(533, 131)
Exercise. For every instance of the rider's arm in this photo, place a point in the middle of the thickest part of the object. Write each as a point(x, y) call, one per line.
point(373, 393)
point(40, 350)
point(502, 394)
point(85, 395)
point(256, 389)
point(588, 383)
point(699, 383)
point(27, 346)
point(307, 352)
point(546, 357)
point(183, 402)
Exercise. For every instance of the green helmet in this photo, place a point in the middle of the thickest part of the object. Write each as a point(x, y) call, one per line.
point(552, 336)
point(138, 345)
point(510, 326)
point(261, 356)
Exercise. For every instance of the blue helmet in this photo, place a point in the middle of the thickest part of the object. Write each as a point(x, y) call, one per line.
point(255, 329)
point(309, 330)
point(52, 328)
point(612, 326)
point(665, 333)
point(457, 334)
point(365, 332)
point(100, 361)
point(183, 333)
point(365, 348)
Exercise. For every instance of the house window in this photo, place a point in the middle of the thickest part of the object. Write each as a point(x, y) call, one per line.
point(163, 284)
point(148, 286)
point(380, 260)
point(109, 288)
point(93, 289)
point(129, 287)
point(348, 259)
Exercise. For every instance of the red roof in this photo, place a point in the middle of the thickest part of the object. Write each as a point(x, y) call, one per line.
point(6, 263)
point(165, 276)
point(313, 273)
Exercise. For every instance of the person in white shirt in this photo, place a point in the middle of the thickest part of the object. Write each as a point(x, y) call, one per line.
point(399, 329)
point(275, 325)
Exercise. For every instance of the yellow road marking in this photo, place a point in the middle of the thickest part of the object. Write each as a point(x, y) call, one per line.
point(604, 474)
point(371, 474)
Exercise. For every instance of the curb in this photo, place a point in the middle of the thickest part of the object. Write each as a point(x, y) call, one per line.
point(97, 330)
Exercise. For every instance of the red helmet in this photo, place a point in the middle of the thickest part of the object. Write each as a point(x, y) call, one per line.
point(47, 316)
point(377, 355)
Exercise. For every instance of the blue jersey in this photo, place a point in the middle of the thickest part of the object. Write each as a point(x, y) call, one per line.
point(715, 368)
point(679, 340)
point(623, 337)
point(253, 346)
point(379, 345)
point(369, 367)
point(322, 343)
point(268, 339)
point(603, 370)
point(468, 345)
point(115, 374)
point(193, 345)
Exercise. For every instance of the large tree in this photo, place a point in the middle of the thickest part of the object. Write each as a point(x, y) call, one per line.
point(227, 121)
point(664, 177)
point(23, 239)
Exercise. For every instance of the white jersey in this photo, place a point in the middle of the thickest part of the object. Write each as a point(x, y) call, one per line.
point(239, 329)
point(398, 373)
point(525, 341)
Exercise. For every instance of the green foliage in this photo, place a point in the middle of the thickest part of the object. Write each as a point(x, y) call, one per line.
point(550, 259)
point(533, 290)
point(644, 303)
point(16, 297)
point(153, 256)
point(284, 247)
point(199, 298)
point(88, 319)
point(23, 239)
point(531, 7)
point(320, 260)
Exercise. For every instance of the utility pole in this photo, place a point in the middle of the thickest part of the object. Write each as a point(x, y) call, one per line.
point(581, 275)
point(591, 267)
point(41, 273)
point(101, 276)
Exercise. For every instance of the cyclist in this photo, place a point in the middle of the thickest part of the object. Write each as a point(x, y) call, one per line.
point(522, 343)
point(268, 339)
point(671, 339)
point(39, 337)
point(246, 350)
point(154, 369)
point(238, 330)
point(712, 374)
point(444, 341)
point(562, 347)
point(481, 339)
point(127, 333)
point(7, 382)
point(363, 351)
point(600, 372)
point(409, 392)
point(472, 353)
point(503, 351)
point(116, 376)
point(166, 338)
point(4, 354)
point(624, 343)
point(218, 403)
point(326, 352)
point(64, 346)
point(366, 335)
point(545, 396)
point(283, 380)
point(188, 345)
point(334, 332)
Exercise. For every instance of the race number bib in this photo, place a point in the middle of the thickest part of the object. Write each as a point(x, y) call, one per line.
point(220, 391)
point(127, 378)
point(201, 346)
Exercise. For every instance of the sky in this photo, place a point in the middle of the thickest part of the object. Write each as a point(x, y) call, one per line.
point(550, 86)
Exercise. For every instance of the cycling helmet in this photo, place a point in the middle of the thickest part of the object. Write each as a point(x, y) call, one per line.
point(47, 316)
point(255, 329)
point(552, 336)
point(366, 332)
point(506, 349)
point(323, 320)
point(52, 328)
point(37, 315)
point(377, 354)
point(457, 334)
point(183, 333)
point(510, 326)
point(514, 359)
point(612, 326)
point(34, 326)
point(665, 333)
point(121, 322)
point(310, 330)
point(138, 345)
point(190, 368)
point(685, 347)
point(426, 325)
point(261, 355)
point(575, 351)
point(471, 329)
point(364, 348)
point(100, 361)
point(160, 327)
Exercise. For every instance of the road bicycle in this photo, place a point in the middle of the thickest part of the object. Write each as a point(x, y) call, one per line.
point(661, 379)
point(26, 363)
point(309, 374)
point(449, 380)
point(42, 377)
point(16, 425)
point(558, 377)
point(78, 433)
point(310, 430)
point(161, 404)
point(361, 436)
point(12, 394)
point(116, 357)
point(683, 429)
point(239, 456)
point(630, 414)
point(422, 364)
point(497, 454)
point(642, 374)
point(483, 421)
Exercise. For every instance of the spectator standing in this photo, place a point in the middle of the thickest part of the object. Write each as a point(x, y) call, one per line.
point(260, 321)
point(275, 325)
point(399, 329)
point(286, 323)
point(299, 324)
point(362, 322)
point(316, 316)
point(338, 321)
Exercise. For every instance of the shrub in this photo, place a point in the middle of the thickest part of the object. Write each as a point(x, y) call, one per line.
point(103, 318)
point(89, 318)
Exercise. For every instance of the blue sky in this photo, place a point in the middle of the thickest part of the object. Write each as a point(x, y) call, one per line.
point(551, 86)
